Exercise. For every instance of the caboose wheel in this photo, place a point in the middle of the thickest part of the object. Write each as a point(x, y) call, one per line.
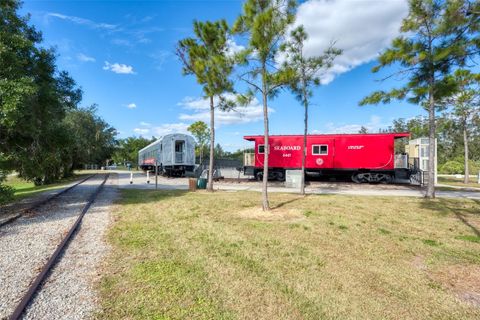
point(260, 176)
point(356, 178)
point(387, 178)
point(280, 176)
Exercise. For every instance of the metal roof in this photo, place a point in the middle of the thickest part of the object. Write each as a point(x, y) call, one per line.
point(160, 139)
point(396, 135)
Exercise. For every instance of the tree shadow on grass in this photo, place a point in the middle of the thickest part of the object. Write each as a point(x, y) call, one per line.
point(297, 198)
point(446, 207)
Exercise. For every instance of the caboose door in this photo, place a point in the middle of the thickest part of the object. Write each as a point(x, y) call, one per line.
point(320, 152)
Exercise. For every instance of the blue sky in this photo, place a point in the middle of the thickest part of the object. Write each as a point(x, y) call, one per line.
point(122, 54)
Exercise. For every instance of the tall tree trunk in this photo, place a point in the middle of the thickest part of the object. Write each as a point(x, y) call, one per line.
point(304, 154)
point(212, 145)
point(466, 179)
point(431, 141)
point(265, 204)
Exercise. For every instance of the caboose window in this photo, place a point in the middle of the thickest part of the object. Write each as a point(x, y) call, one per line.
point(319, 149)
point(261, 148)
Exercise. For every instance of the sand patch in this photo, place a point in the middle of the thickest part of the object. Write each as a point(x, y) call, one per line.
point(277, 214)
point(419, 263)
point(463, 280)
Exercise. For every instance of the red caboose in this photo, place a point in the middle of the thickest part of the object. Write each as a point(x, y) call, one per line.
point(364, 157)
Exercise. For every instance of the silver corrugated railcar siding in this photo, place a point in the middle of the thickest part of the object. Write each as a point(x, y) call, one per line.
point(190, 151)
point(168, 153)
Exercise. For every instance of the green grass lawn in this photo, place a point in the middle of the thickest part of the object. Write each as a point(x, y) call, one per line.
point(24, 189)
point(179, 255)
point(459, 182)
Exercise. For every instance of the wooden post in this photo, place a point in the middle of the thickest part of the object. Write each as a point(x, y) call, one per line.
point(131, 177)
point(148, 176)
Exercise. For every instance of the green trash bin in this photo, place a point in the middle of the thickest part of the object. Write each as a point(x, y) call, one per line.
point(202, 183)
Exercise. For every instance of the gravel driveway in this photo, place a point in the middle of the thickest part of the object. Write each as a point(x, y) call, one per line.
point(314, 187)
point(26, 245)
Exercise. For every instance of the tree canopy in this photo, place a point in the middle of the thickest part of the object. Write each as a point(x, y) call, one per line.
point(205, 56)
point(42, 135)
point(265, 24)
point(436, 37)
point(127, 149)
point(201, 132)
point(304, 73)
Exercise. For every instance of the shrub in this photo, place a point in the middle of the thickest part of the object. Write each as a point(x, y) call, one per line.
point(6, 193)
point(452, 167)
point(474, 166)
point(457, 167)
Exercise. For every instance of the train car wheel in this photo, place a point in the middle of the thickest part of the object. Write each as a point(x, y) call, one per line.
point(387, 178)
point(280, 176)
point(260, 176)
point(356, 177)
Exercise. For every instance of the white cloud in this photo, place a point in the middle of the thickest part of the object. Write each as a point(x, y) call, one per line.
point(167, 128)
point(147, 129)
point(147, 18)
point(141, 35)
point(84, 58)
point(118, 68)
point(122, 42)
point(200, 110)
point(362, 28)
point(144, 40)
point(372, 126)
point(141, 131)
point(131, 105)
point(160, 57)
point(233, 47)
point(82, 21)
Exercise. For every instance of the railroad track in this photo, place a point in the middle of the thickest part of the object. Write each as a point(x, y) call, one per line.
point(43, 201)
point(36, 284)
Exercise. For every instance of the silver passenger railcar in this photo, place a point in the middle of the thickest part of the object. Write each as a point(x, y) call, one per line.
point(174, 154)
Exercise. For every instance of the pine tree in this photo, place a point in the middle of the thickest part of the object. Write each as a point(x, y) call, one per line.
point(265, 23)
point(436, 37)
point(466, 107)
point(205, 56)
point(305, 72)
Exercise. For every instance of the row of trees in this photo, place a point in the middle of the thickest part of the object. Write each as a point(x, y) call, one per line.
point(127, 149)
point(433, 56)
point(438, 39)
point(264, 25)
point(44, 134)
point(450, 140)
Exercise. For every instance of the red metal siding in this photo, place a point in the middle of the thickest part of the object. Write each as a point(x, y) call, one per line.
point(365, 152)
point(149, 161)
point(345, 151)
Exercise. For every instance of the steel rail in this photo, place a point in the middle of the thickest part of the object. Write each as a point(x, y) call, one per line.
point(43, 201)
point(51, 261)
